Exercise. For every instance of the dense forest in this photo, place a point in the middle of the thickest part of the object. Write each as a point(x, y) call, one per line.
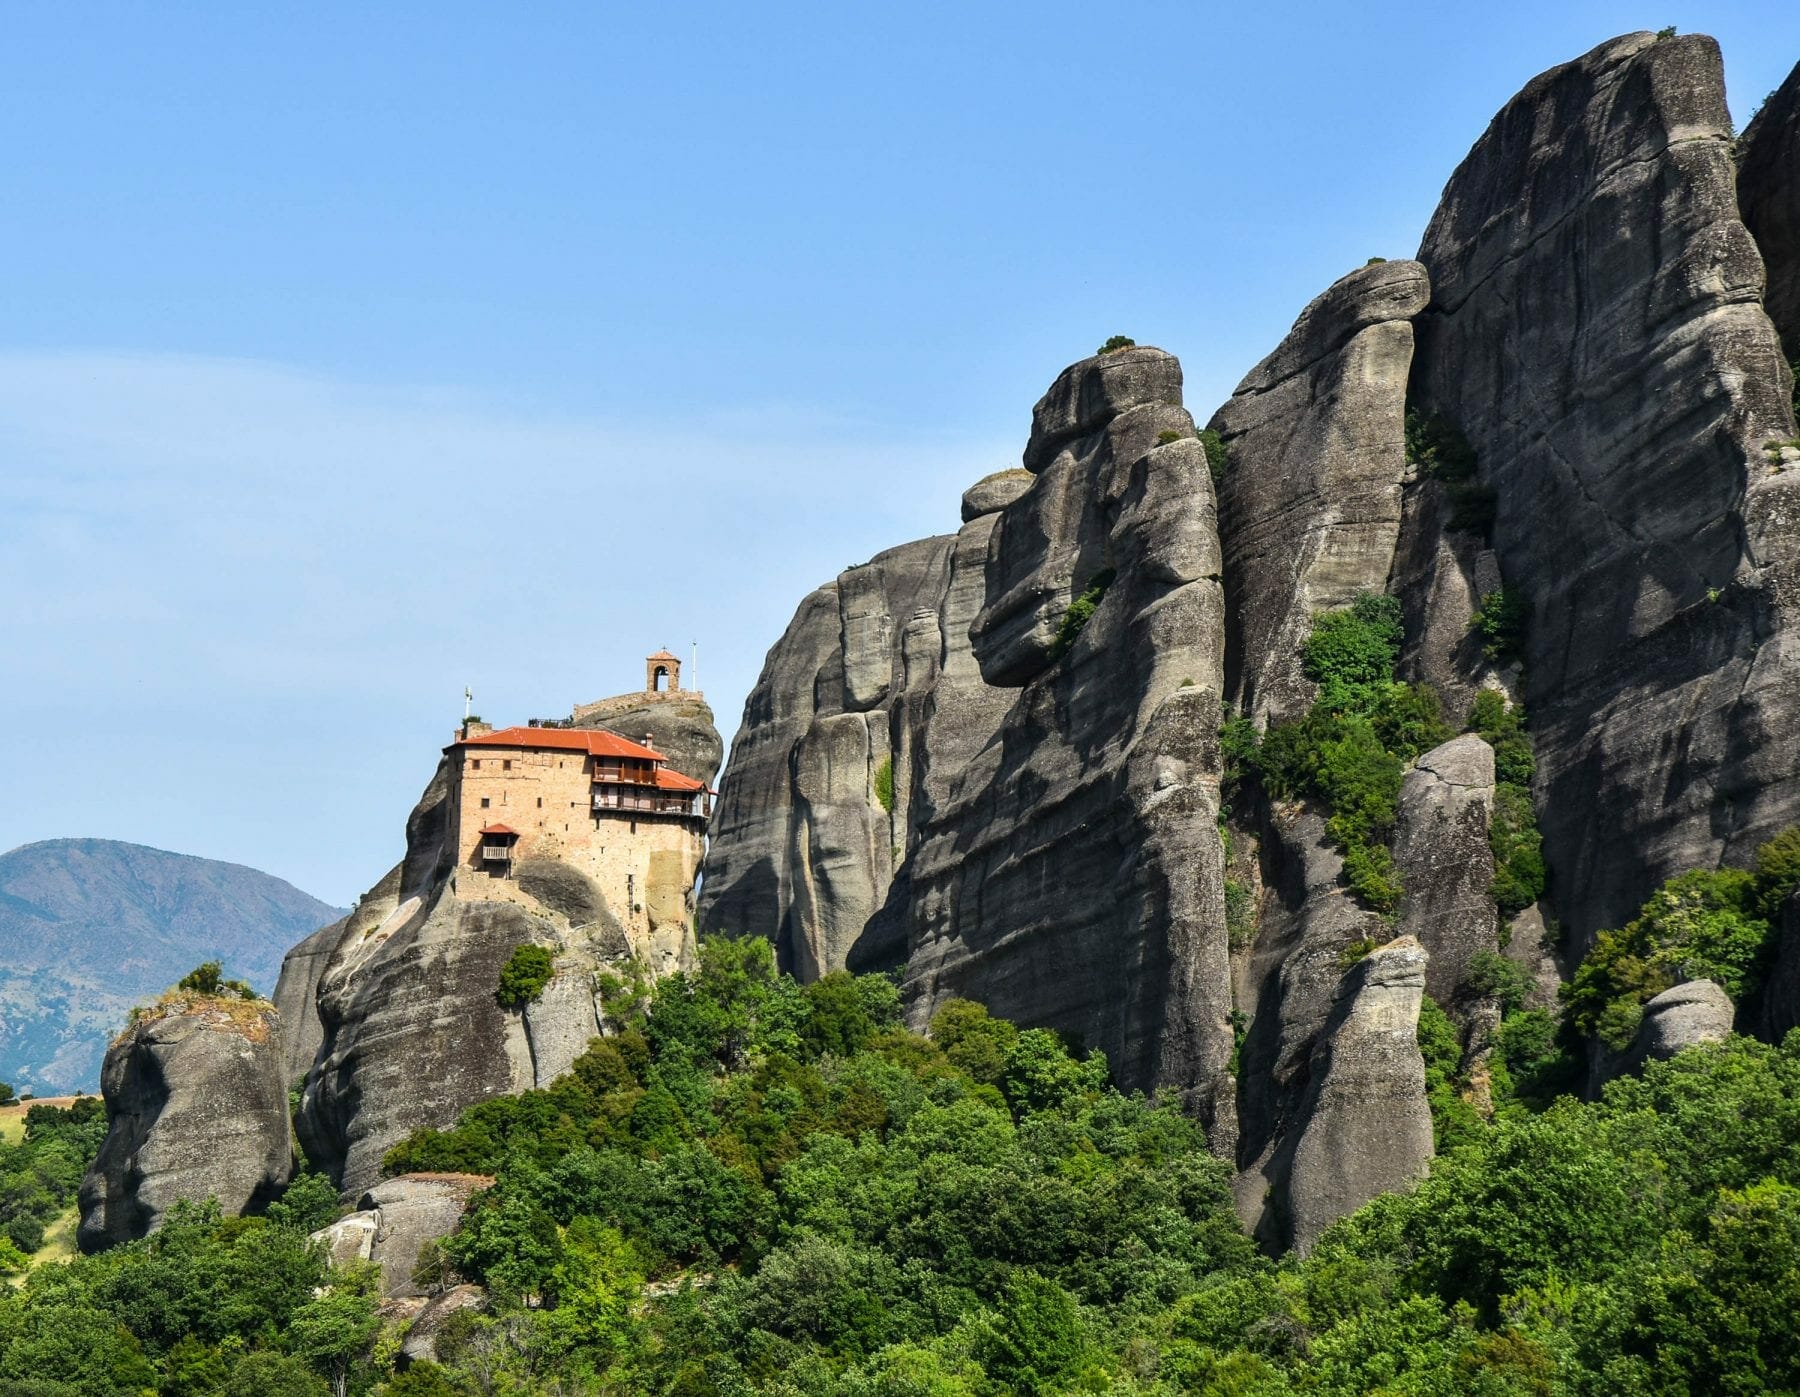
point(756, 1186)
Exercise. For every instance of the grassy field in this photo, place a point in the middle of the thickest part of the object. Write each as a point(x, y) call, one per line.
point(12, 1118)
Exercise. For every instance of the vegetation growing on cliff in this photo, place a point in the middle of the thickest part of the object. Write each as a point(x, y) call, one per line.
point(1705, 925)
point(1080, 612)
point(1352, 747)
point(522, 979)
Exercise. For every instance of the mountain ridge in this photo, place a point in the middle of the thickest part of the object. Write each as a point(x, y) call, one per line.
point(89, 926)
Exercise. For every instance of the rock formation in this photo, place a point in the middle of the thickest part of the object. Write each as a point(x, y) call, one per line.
point(1694, 1012)
point(1073, 874)
point(1596, 331)
point(1310, 502)
point(865, 709)
point(197, 1108)
point(1769, 195)
point(991, 759)
point(1366, 1127)
point(1441, 848)
point(395, 1219)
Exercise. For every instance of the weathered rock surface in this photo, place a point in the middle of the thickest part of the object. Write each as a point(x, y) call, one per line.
point(196, 1103)
point(1769, 195)
point(1697, 1011)
point(1367, 1127)
point(1072, 876)
point(865, 706)
point(1596, 330)
point(994, 493)
point(395, 1219)
point(1310, 503)
point(1441, 849)
point(1287, 984)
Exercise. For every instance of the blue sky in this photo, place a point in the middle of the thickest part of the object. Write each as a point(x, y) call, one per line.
point(352, 353)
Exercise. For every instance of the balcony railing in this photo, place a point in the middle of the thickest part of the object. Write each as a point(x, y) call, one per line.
point(624, 798)
point(496, 853)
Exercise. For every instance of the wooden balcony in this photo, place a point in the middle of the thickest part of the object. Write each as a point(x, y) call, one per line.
point(496, 853)
point(648, 800)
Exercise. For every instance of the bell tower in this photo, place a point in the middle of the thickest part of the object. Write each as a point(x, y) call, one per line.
point(662, 673)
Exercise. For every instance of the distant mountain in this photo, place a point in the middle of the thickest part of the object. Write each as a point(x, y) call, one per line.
point(88, 927)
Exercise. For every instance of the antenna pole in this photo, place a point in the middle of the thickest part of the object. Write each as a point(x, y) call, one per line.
point(468, 698)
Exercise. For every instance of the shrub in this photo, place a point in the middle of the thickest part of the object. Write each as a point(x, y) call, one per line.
point(1372, 875)
point(1454, 1121)
point(1518, 847)
point(884, 784)
point(1777, 871)
point(1353, 650)
point(1408, 719)
point(1115, 343)
point(1701, 925)
point(1492, 976)
point(1080, 612)
point(1240, 913)
point(1503, 728)
point(208, 978)
point(523, 977)
point(1215, 455)
point(1167, 436)
point(1239, 748)
point(1437, 446)
point(1501, 621)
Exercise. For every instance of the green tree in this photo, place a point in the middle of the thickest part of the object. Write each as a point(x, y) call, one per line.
point(522, 979)
point(333, 1333)
point(1037, 1339)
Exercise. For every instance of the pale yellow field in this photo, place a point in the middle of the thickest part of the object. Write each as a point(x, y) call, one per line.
point(12, 1118)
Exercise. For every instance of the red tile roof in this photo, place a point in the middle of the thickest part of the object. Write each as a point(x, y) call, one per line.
point(593, 742)
point(499, 829)
point(665, 655)
point(675, 781)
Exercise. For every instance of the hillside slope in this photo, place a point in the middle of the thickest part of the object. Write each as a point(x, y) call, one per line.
point(89, 926)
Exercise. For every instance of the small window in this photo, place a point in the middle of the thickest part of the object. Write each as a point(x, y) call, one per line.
point(506, 765)
point(540, 802)
point(476, 764)
point(484, 802)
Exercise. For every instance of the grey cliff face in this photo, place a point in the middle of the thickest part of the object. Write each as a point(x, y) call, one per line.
point(869, 697)
point(1287, 982)
point(1311, 501)
point(1441, 848)
point(196, 1105)
point(1596, 331)
point(1367, 1127)
point(1073, 875)
point(1769, 195)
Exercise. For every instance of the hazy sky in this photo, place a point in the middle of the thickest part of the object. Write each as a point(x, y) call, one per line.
point(352, 353)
